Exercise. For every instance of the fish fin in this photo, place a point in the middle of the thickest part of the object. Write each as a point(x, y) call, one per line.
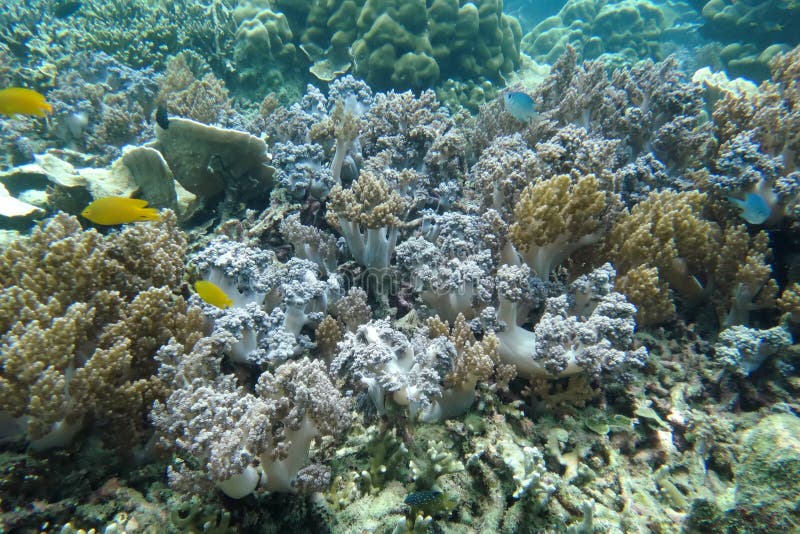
point(137, 202)
point(148, 214)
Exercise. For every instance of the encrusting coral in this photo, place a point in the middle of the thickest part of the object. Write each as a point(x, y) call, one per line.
point(82, 317)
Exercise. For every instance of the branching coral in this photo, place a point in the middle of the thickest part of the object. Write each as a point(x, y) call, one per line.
point(82, 317)
point(272, 302)
point(382, 361)
point(451, 268)
point(742, 350)
point(406, 125)
point(742, 277)
point(476, 362)
point(589, 329)
point(188, 90)
point(757, 144)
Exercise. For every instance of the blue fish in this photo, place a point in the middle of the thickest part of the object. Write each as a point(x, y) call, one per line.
point(519, 105)
point(755, 208)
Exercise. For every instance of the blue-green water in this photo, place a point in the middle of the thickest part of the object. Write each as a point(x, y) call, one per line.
point(399, 266)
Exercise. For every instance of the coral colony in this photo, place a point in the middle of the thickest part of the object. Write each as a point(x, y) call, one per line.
point(399, 267)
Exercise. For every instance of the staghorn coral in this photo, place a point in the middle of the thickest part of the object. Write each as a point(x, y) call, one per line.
point(789, 303)
point(153, 33)
point(82, 317)
point(556, 217)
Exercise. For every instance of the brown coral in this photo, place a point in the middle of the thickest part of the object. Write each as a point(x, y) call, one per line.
point(369, 202)
point(666, 232)
point(743, 278)
point(556, 217)
point(477, 360)
point(81, 317)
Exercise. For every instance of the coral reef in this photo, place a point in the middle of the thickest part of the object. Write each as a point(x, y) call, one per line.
point(771, 29)
point(387, 313)
point(620, 32)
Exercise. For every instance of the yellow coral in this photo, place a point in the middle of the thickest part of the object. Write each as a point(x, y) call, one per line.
point(650, 295)
point(477, 360)
point(665, 232)
point(369, 202)
point(743, 278)
point(327, 335)
point(554, 218)
point(789, 302)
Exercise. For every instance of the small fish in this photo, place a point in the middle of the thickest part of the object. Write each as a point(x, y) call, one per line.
point(22, 101)
point(212, 294)
point(119, 210)
point(755, 208)
point(162, 118)
point(519, 105)
point(419, 499)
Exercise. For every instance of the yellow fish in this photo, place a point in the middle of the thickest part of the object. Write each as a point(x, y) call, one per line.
point(212, 294)
point(21, 101)
point(119, 210)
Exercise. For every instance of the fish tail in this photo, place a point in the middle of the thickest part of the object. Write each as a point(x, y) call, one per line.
point(148, 214)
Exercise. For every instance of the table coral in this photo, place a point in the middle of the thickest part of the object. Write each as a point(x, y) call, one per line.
point(82, 316)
